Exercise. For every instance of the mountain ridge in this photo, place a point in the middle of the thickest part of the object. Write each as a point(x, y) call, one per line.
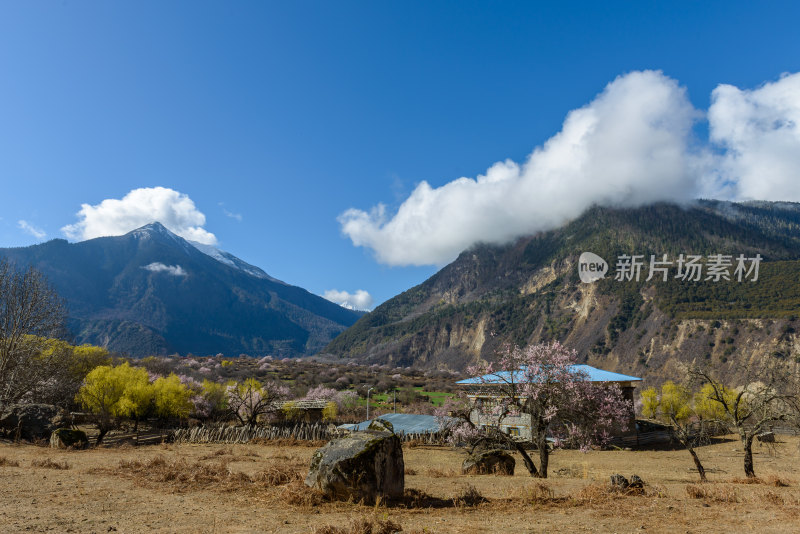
point(152, 292)
point(528, 291)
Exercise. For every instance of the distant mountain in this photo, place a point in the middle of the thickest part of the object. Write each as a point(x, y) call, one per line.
point(153, 292)
point(529, 291)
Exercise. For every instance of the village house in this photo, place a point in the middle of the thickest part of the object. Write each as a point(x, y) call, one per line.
point(482, 391)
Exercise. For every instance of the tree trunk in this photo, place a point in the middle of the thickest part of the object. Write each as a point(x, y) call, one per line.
point(544, 457)
point(748, 457)
point(526, 459)
point(697, 464)
point(100, 436)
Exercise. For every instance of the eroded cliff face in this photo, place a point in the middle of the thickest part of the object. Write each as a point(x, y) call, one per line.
point(655, 346)
point(529, 292)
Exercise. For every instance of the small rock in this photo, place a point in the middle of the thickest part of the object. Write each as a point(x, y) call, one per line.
point(766, 437)
point(381, 425)
point(636, 482)
point(619, 482)
point(491, 462)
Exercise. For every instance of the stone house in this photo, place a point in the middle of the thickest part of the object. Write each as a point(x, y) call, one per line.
point(482, 391)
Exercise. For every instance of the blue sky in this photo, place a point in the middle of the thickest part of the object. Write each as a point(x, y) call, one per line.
point(276, 118)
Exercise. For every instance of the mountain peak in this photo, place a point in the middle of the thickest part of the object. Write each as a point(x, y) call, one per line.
point(153, 227)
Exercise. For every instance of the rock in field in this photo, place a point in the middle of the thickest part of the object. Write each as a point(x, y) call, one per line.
point(620, 483)
point(362, 466)
point(33, 421)
point(66, 437)
point(494, 461)
point(766, 437)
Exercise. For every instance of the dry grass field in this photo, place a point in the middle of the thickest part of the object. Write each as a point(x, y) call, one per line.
point(258, 488)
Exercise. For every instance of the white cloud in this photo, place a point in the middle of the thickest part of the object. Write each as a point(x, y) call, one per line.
point(157, 267)
point(360, 300)
point(142, 206)
point(632, 145)
point(629, 146)
point(38, 233)
point(759, 131)
point(237, 216)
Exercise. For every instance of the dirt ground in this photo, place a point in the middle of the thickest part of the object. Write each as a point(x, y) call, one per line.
point(112, 490)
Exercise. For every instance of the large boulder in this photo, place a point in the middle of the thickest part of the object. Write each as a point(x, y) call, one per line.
point(489, 462)
point(31, 421)
point(362, 466)
point(63, 438)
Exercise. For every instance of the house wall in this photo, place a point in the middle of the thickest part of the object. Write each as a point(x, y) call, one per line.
point(485, 402)
point(522, 423)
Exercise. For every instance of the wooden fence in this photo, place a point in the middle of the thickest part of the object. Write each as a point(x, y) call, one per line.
point(300, 431)
point(243, 434)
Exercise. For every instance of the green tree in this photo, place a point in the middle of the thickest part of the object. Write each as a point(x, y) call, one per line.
point(675, 405)
point(172, 399)
point(216, 398)
point(330, 411)
point(137, 395)
point(102, 393)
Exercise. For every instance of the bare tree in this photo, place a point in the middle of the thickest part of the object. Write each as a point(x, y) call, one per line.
point(767, 396)
point(30, 312)
point(676, 406)
point(250, 400)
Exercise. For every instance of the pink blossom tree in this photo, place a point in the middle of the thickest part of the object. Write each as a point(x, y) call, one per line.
point(543, 382)
point(250, 400)
point(453, 417)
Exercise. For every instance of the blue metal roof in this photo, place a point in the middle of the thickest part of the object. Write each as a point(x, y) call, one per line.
point(407, 423)
point(594, 375)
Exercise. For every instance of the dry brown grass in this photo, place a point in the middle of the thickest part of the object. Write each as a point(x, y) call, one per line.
point(576, 499)
point(5, 462)
point(409, 471)
point(469, 496)
point(771, 480)
point(439, 472)
point(539, 494)
point(288, 442)
point(298, 494)
point(362, 525)
point(773, 498)
point(278, 475)
point(183, 476)
point(244, 456)
point(709, 492)
point(48, 463)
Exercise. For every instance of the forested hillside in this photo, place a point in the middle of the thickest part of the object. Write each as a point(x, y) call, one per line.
point(529, 291)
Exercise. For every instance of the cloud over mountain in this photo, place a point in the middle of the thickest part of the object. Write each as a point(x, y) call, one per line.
point(158, 267)
point(139, 207)
point(760, 133)
point(360, 300)
point(634, 144)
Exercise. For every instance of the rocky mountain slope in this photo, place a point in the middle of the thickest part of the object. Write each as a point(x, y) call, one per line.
point(152, 292)
point(530, 291)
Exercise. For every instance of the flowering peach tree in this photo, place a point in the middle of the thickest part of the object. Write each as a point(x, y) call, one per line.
point(565, 408)
point(250, 400)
